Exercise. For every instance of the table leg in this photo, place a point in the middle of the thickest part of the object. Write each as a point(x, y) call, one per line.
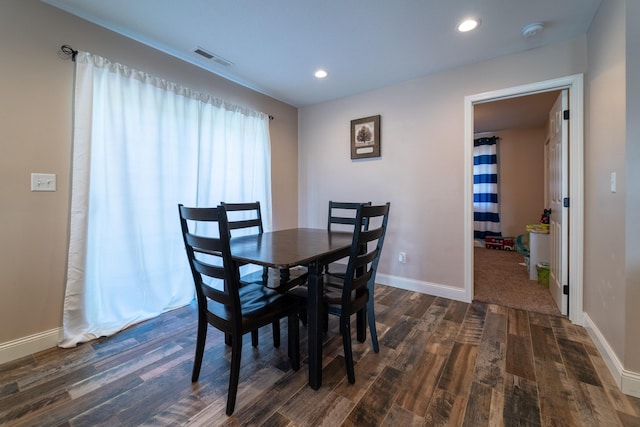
point(285, 276)
point(314, 325)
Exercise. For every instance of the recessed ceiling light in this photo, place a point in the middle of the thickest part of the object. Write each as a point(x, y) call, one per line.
point(468, 25)
point(321, 74)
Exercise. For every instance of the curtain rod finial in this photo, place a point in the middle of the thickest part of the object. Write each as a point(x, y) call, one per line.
point(69, 51)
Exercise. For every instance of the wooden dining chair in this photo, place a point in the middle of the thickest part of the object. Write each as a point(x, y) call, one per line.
point(247, 218)
point(222, 302)
point(353, 293)
point(251, 220)
point(342, 217)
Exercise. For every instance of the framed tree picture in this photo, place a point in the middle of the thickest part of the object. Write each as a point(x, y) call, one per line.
point(365, 137)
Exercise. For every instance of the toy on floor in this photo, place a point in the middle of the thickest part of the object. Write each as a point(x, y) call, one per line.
point(500, 243)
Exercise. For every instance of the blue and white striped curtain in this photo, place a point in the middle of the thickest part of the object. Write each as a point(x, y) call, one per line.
point(485, 188)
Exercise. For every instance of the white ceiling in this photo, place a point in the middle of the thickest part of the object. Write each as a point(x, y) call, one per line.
point(275, 46)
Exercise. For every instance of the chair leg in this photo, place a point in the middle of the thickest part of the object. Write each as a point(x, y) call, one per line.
point(234, 375)
point(275, 326)
point(200, 342)
point(325, 321)
point(227, 339)
point(290, 336)
point(346, 343)
point(293, 336)
point(372, 325)
point(303, 315)
point(361, 325)
point(254, 338)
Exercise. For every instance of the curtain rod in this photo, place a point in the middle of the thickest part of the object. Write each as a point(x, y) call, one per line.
point(69, 51)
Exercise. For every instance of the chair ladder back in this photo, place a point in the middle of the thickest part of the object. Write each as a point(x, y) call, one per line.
point(379, 234)
point(363, 261)
point(216, 272)
point(214, 248)
point(370, 235)
point(248, 208)
point(340, 217)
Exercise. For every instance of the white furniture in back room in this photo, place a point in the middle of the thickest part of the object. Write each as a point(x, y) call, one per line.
point(539, 251)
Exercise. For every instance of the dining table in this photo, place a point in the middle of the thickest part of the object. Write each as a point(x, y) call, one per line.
point(285, 249)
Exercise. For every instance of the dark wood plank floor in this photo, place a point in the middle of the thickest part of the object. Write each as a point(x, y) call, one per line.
point(441, 362)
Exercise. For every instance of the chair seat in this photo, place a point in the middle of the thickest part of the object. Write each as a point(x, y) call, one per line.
point(257, 302)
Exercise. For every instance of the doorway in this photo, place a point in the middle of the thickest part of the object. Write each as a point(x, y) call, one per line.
point(520, 126)
point(576, 214)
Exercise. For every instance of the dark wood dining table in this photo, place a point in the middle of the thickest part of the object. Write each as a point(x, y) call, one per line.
point(308, 247)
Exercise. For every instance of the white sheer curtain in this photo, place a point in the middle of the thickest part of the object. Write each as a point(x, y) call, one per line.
point(141, 146)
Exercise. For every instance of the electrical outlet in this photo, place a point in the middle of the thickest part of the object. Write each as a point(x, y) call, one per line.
point(402, 257)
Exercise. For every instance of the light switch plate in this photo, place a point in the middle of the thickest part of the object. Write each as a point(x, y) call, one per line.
point(613, 182)
point(43, 182)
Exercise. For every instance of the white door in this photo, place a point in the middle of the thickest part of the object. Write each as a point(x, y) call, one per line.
point(558, 181)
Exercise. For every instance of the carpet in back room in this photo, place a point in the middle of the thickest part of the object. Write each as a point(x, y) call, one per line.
point(500, 277)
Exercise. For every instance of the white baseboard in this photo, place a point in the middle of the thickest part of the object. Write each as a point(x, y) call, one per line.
point(434, 289)
point(628, 381)
point(12, 350)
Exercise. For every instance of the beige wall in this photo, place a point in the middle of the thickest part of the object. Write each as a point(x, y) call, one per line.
point(604, 274)
point(521, 177)
point(521, 165)
point(632, 184)
point(612, 226)
point(421, 168)
point(35, 136)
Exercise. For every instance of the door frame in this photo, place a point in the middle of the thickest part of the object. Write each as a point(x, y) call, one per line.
point(575, 84)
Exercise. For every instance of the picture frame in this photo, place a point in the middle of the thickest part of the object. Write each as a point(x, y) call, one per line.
point(365, 137)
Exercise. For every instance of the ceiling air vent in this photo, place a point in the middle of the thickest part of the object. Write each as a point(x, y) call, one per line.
point(206, 54)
